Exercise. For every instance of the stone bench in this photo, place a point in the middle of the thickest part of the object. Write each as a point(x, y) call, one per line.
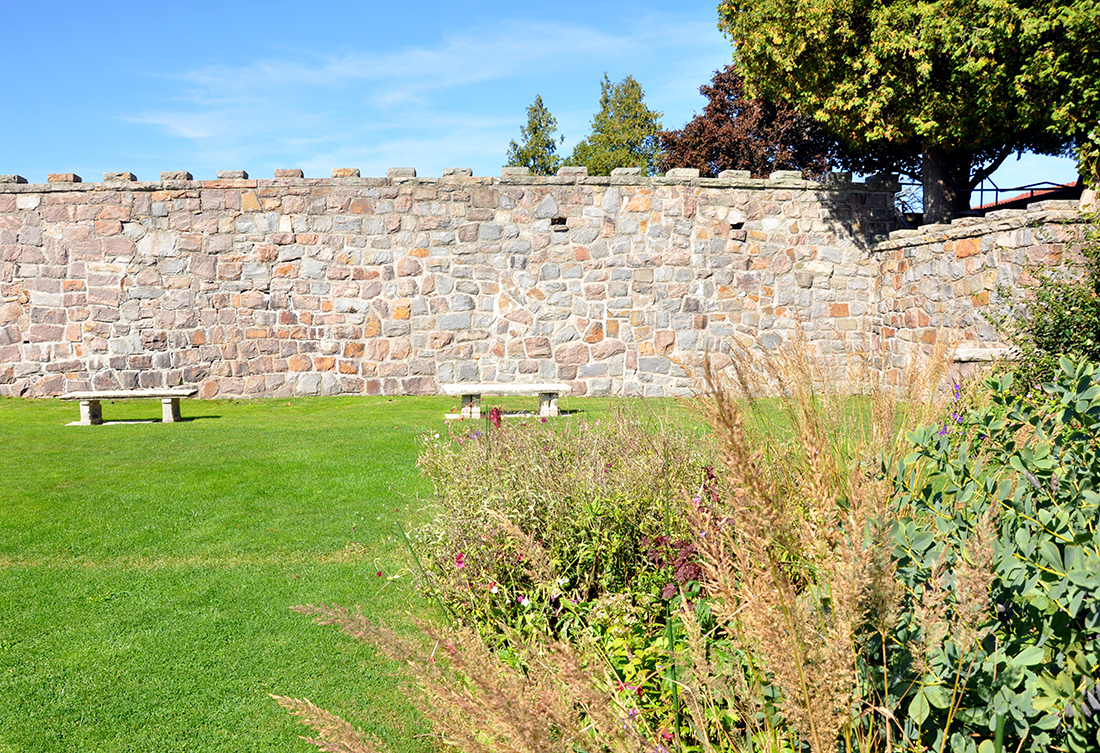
point(91, 413)
point(471, 393)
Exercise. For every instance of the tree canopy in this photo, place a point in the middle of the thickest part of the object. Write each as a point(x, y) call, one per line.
point(538, 152)
point(736, 132)
point(624, 131)
point(956, 85)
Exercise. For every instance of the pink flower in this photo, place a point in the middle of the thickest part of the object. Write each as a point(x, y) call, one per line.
point(460, 560)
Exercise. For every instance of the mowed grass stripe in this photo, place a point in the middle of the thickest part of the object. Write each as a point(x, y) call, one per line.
point(146, 570)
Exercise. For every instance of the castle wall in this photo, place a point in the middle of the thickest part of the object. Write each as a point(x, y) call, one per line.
point(398, 285)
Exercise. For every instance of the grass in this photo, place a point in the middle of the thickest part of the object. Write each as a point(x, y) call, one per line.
point(146, 570)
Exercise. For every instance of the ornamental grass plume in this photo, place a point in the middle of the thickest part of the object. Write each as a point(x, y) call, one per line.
point(797, 557)
point(480, 704)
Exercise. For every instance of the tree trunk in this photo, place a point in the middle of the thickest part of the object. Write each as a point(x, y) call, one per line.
point(940, 200)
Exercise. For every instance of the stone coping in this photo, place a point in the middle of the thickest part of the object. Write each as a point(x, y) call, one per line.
point(977, 354)
point(999, 221)
point(505, 388)
point(131, 394)
point(16, 187)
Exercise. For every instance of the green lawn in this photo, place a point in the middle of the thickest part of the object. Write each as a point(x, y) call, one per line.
point(146, 570)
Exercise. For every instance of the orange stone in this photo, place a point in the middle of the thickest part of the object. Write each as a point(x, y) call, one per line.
point(968, 247)
point(299, 363)
point(419, 252)
point(324, 363)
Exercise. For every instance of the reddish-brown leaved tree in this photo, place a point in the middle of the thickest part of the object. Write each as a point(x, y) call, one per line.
point(737, 133)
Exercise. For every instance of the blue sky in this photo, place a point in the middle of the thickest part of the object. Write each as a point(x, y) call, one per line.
point(207, 86)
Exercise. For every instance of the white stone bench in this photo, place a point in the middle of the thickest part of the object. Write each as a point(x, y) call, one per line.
point(91, 413)
point(471, 393)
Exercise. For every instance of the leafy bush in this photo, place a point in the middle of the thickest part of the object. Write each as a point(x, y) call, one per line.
point(1057, 314)
point(1006, 576)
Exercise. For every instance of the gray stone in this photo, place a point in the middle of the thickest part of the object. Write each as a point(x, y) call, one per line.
point(289, 173)
point(735, 174)
point(547, 208)
point(515, 171)
point(12, 179)
point(682, 172)
point(401, 172)
point(625, 171)
point(119, 177)
point(232, 175)
point(572, 171)
point(176, 175)
point(454, 321)
point(786, 175)
point(457, 172)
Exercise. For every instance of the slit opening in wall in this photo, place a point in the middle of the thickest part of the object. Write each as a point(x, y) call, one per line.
point(557, 222)
point(737, 225)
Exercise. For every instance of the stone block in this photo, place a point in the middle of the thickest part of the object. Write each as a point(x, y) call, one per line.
point(682, 172)
point(572, 171)
point(515, 171)
point(401, 172)
point(735, 174)
point(457, 172)
point(622, 172)
point(232, 175)
point(12, 179)
point(289, 173)
point(345, 172)
point(176, 175)
point(119, 177)
point(786, 175)
point(63, 178)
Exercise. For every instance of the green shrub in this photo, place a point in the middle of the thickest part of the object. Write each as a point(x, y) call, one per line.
point(999, 555)
point(1057, 314)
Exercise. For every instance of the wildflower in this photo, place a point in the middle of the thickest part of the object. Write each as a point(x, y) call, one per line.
point(460, 560)
point(543, 419)
point(944, 430)
point(494, 417)
point(379, 573)
point(523, 601)
point(493, 588)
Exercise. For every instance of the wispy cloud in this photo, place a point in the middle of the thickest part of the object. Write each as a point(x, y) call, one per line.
point(422, 100)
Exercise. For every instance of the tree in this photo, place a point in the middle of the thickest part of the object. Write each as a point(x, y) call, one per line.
point(956, 85)
point(540, 143)
point(624, 131)
point(735, 132)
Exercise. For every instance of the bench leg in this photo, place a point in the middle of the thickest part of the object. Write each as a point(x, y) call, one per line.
point(548, 404)
point(91, 413)
point(471, 406)
point(170, 410)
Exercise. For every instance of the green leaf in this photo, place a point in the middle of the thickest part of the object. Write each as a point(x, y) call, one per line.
point(937, 695)
point(1029, 657)
point(919, 708)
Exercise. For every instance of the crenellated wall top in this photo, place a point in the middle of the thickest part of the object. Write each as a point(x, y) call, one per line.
point(510, 176)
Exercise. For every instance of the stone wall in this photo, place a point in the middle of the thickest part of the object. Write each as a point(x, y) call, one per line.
point(939, 282)
point(400, 284)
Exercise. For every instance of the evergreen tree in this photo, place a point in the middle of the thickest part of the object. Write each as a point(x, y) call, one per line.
point(540, 142)
point(625, 133)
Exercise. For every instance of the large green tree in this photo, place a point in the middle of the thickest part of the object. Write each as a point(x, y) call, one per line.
point(954, 86)
point(625, 133)
point(539, 150)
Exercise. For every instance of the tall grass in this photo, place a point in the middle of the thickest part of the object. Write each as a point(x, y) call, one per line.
point(769, 642)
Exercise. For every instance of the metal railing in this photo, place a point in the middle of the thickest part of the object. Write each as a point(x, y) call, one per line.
point(1018, 192)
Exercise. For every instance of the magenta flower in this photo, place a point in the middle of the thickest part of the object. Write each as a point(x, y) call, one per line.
point(460, 560)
